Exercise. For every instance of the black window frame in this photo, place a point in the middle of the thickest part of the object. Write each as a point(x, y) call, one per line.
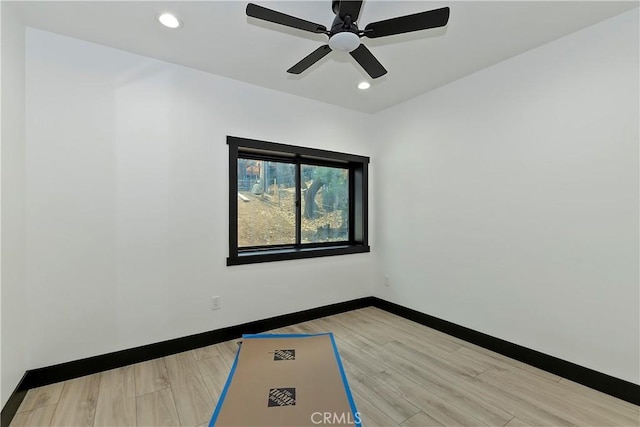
point(270, 151)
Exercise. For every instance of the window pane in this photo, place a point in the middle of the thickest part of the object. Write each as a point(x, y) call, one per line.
point(325, 204)
point(266, 203)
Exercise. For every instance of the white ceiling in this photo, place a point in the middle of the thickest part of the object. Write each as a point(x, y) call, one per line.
point(217, 37)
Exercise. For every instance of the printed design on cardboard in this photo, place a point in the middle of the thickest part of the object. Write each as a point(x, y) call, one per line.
point(284, 355)
point(282, 397)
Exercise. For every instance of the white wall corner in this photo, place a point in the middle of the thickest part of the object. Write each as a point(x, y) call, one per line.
point(12, 205)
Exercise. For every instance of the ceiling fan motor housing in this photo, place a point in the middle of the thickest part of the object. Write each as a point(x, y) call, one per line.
point(345, 24)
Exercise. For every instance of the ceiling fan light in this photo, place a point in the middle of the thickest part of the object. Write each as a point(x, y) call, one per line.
point(169, 20)
point(344, 41)
point(364, 85)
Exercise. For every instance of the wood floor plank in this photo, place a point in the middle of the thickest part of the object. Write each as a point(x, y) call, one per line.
point(449, 361)
point(416, 365)
point(277, 331)
point(502, 404)
point(77, 404)
point(443, 382)
point(427, 345)
point(206, 352)
point(421, 420)
point(39, 417)
point(295, 329)
point(369, 414)
point(309, 328)
point(500, 362)
point(604, 404)
point(228, 350)
point(214, 371)
point(603, 407)
point(364, 346)
point(444, 412)
point(157, 409)
point(354, 355)
point(193, 401)
point(504, 399)
point(337, 329)
point(405, 360)
point(516, 422)
point(481, 392)
point(419, 335)
point(117, 398)
point(490, 377)
point(450, 389)
point(364, 327)
point(150, 376)
point(435, 337)
point(41, 396)
point(560, 405)
point(384, 398)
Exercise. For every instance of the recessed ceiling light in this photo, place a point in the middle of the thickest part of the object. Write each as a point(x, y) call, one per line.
point(169, 20)
point(364, 85)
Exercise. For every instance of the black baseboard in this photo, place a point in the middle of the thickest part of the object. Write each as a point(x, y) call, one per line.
point(92, 365)
point(613, 386)
point(13, 403)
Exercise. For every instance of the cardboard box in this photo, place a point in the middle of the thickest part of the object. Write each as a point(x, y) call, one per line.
point(286, 380)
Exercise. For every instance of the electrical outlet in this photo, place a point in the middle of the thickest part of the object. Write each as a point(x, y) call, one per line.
point(215, 303)
point(387, 281)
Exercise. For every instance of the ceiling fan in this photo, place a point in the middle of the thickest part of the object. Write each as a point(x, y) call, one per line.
point(345, 35)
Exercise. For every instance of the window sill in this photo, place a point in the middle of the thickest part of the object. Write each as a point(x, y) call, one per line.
point(252, 257)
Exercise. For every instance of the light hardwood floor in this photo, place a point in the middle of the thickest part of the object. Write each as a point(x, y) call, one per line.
point(401, 374)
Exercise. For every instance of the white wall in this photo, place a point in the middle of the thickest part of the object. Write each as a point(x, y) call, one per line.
point(127, 201)
point(13, 258)
point(508, 200)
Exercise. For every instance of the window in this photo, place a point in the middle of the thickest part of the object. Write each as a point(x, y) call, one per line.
point(288, 202)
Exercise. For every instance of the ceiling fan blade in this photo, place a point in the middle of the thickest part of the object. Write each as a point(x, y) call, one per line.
point(310, 59)
point(351, 8)
point(365, 58)
point(406, 24)
point(259, 12)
